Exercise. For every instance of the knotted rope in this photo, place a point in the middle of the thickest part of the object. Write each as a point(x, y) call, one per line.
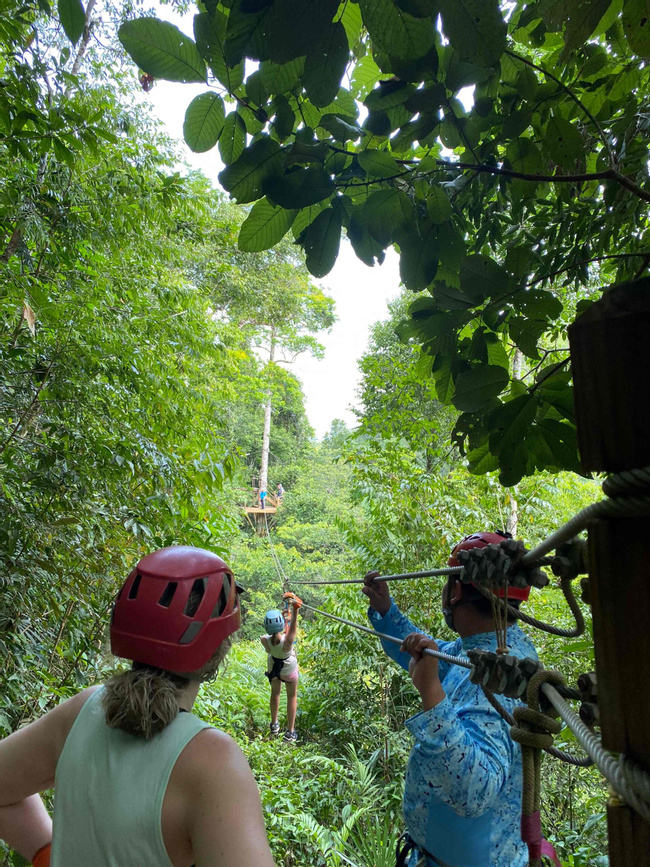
point(533, 731)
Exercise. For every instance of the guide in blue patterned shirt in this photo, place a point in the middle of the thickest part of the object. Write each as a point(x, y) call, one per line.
point(462, 796)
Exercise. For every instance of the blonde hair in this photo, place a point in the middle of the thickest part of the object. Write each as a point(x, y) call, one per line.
point(144, 701)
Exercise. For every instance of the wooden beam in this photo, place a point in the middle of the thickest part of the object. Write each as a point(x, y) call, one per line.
point(610, 353)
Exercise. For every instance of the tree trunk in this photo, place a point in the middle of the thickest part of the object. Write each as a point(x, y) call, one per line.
point(266, 436)
point(85, 39)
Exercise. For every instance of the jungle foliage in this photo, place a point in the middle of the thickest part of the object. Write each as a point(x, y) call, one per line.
point(501, 148)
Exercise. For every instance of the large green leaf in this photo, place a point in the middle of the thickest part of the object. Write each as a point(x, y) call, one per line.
point(378, 164)
point(477, 387)
point(300, 188)
point(204, 121)
point(245, 34)
point(321, 242)
point(438, 204)
point(481, 276)
point(387, 212)
point(510, 422)
point(264, 227)
point(418, 261)
point(281, 78)
point(296, 26)
point(244, 178)
point(73, 18)
point(209, 34)
point(325, 65)
point(366, 247)
point(564, 142)
point(636, 26)
point(395, 31)
point(232, 138)
point(475, 28)
point(582, 18)
point(160, 49)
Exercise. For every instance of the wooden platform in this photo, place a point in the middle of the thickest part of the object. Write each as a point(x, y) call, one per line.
point(257, 510)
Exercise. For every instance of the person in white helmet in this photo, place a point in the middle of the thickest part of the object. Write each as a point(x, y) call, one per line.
point(282, 664)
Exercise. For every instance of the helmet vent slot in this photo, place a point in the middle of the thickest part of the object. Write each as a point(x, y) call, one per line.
point(196, 597)
point(191, 632)
point(133, 592)
point(168, 594)
point(222, 601)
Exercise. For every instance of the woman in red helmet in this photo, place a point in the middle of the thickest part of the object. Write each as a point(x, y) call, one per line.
point(139, 780)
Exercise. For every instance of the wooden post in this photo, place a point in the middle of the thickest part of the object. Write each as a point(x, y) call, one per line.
point(610, 352)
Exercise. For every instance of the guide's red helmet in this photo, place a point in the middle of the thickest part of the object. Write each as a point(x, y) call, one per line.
point(481, 540)
point(175, 609)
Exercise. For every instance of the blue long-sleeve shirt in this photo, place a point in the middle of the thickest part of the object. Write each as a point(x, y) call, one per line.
point(462, 797)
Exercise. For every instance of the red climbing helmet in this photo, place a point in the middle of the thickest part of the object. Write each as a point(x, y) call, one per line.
point(175, 609)
point(481, 540)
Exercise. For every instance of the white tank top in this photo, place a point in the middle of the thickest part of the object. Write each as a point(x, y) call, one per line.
point(109, 791)
point(277, 651)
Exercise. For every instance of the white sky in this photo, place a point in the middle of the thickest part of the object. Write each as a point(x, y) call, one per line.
point(361, 293)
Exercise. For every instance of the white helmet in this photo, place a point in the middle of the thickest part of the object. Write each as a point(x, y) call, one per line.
point(274, 621)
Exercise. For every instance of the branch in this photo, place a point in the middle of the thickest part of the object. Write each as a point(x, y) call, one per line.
point(642, 254)
point(570, 93)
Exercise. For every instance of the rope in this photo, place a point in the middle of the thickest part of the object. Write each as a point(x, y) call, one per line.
point(629, 781)
point(444, 657)
point(405, 576)
point(572, 602)
point(562, 755)
point(533, 731)
point(276, 560)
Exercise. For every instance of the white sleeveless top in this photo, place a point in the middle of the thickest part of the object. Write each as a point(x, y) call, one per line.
point(109, 791)
point(277, 651)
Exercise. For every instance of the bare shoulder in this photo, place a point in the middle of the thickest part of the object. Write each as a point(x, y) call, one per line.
point(212, 755)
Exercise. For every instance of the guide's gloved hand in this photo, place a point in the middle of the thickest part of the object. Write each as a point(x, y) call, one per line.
point(293, 599)
point(377, 593)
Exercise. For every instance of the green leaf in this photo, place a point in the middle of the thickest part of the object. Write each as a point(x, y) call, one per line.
point(475, 28)
point(476, 387)
point(160, 49)
point(564, 142)
point(395, 31)
point(496, 353)
point(300, 188)
point(232, 138)
point(388, 94)
point(418, 8)
point(244, 178)
point(636, 26)
point(245, 34)
point(538, 303)
point(296, 26)
point(365, 246)
point(306, 217)
point(386, 212)
point(209, 35)
point(321, 242)
point(341, 130)
point(526, 334)
point(378, 164)
point(281, 78)
point(73, 18)
point(561, 439)
point(264, 227)
point(510, 423)
point(204, 121)
point(582, 18)
point(418, 261)
point(442, 374)
point(481, 276)
point(438, 205)
point(325, 66)
point(481, 460)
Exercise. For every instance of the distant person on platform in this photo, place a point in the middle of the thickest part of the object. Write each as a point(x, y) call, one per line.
point(462, 798)
point(282, 665)
point(262, 497)
point(280, 492)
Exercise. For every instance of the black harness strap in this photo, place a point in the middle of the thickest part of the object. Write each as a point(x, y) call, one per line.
point(275, 670)
point(406, 845)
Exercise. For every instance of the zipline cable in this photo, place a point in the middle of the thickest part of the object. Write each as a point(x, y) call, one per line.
point(405, 576)
point(438, 654)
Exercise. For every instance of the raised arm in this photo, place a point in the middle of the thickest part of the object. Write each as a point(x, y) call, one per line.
point(293, 624)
